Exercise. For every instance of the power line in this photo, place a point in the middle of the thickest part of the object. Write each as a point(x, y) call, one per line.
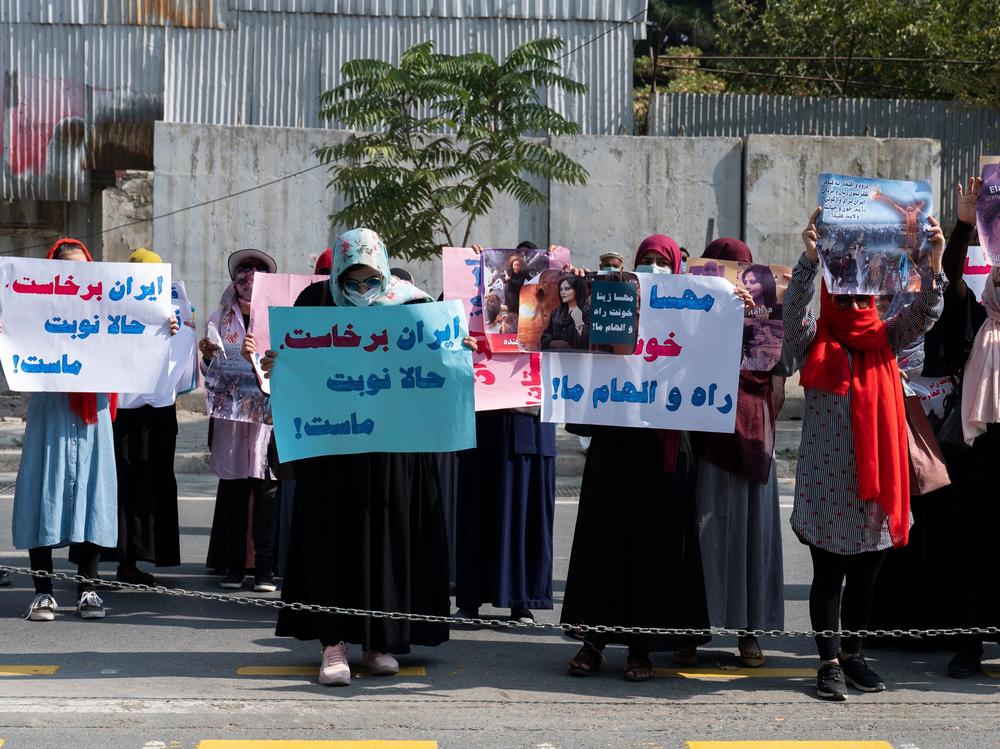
point(818, 58)
point(603, 34)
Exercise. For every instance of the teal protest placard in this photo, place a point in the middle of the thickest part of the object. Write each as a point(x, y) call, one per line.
point(374, 379)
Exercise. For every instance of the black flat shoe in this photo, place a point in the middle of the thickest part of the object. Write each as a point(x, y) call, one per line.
point(966, 663)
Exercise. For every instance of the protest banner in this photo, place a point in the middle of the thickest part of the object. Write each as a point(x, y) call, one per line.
point(933, 392)
point(272, 290)
point(377, 379)
point(684, 373)
point(560, 311)
point(504, 273)
point(763, 330)
point(232, 392)
point(84, 327)
point(977, 270)
point(988, 213)
point(503, 380)
point(873, 234)
point(183, 371)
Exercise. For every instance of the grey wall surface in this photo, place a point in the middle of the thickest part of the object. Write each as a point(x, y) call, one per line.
point(782, 176)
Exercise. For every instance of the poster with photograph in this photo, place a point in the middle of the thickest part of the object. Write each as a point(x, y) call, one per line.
point(504, 273)
point(988, 213)
point(873, 234)
point(977, 270)
point(592, 314)
point(763, 330)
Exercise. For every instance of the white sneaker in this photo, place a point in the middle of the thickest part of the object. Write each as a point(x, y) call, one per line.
point(380, 664)
point(42, 609)
point(334, 669)
point(90, 606)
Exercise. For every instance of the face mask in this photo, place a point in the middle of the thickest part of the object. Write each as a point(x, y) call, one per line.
point(244, 285)
point(652, 269)
point(362, 300)
point(610, 268)
point(684, 265)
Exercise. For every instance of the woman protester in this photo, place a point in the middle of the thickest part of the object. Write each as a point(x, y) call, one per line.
point(739, 521)
point(145, 442)
point(376, 540)
point(505, 511)
point(569, 323)
point(852, 494)
point(635, 560)
point(66, 490)
point(239, 454)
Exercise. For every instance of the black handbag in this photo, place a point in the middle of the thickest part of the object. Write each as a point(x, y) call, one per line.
point(949, 431)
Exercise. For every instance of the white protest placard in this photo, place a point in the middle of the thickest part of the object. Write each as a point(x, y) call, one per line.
point(183, 374)
point(683, 375)
point(84, 327)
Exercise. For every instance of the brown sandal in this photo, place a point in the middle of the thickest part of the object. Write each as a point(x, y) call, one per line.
point(751, 656)
point(638, 668)
point(586, 661)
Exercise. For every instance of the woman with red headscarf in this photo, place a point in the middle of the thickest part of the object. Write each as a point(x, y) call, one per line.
point(852, 484)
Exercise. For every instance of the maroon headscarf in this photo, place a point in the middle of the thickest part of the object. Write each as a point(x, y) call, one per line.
point(662, 245)
point(748, 451)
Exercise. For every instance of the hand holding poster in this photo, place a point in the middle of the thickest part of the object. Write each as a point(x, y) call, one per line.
point(763, 330)
point(684, 373)
point(872, 234)
point(988, 212)
point(503, 380)
point(84, 327)
point(377, 379)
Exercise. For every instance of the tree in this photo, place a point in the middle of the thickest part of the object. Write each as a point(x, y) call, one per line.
point(439, 137)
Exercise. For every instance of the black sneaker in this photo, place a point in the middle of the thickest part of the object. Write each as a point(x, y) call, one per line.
point(830, 684)
point(233, 580)
point(859, 674)
point(966, 662)
point(263, 582)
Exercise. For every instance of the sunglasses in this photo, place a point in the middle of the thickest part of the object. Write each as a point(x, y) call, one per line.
point(844, 301)
point(369, 283)
point(246, 267)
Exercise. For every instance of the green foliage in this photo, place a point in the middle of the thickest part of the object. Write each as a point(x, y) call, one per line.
point(439, 137)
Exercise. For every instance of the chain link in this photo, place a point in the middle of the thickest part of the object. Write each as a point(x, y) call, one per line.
point(573, 630)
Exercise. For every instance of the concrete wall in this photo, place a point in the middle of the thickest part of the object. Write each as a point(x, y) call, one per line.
point(782, 181)
point(128, 205)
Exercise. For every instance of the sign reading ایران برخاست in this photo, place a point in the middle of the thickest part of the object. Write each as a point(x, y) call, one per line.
point(684, 373)
point(376, 379)
point(84, 327)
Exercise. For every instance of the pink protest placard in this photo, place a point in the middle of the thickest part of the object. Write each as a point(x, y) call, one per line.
point(503, 380)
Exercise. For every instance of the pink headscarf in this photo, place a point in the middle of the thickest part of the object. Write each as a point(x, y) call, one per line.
point(981, 381)
point(663, 245)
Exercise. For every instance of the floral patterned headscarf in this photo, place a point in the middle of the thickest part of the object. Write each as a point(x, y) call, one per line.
point(365, 247)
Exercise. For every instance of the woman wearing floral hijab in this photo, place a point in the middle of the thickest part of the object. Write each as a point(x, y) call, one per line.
point(368, 530)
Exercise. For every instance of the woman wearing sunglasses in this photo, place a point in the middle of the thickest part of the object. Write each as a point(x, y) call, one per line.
point(852, 483)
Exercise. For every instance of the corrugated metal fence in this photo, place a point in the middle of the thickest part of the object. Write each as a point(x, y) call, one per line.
point(965, 133)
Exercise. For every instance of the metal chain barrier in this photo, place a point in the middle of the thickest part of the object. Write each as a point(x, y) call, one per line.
point(574, 630)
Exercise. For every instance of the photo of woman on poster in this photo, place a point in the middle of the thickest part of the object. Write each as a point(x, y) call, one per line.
point(569, 324)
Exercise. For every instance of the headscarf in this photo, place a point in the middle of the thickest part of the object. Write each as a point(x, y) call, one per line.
point(663, 245)
point(981, 381)
point(748, 451)
point(84, 405)
point(324, 262)
point(144, 255)
point(878, 417)
point(365, 247)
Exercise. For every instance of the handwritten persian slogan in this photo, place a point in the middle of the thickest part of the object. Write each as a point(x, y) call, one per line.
point(84, 327)
point(988, 212)
point(763, 330)
point(378, 379)
point(595, 314)
point(503, 380)
point(873, 234)
point(684, 373)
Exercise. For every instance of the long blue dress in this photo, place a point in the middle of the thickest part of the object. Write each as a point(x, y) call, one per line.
point(67, 485)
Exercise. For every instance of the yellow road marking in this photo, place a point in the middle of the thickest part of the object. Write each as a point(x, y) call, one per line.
point(17, 670)
point(313, 670)
point(736, 673)
point(789, 745)
point(297, 744)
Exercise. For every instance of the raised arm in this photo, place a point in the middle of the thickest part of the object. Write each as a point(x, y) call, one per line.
point(958, 243)
point(917, 318)
point(798, 319)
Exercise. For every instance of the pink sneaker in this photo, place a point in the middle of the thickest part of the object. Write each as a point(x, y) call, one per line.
point(334, 669)
point(380, 664)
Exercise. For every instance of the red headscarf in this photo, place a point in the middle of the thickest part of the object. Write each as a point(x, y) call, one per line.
point(663, 245)
point(324, 263)
point(881, 450)
point(84, 405)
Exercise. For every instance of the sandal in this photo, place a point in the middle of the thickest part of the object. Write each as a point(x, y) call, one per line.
point(638, 668)
point(686, 657)
point(751, 656)
point(586, 661)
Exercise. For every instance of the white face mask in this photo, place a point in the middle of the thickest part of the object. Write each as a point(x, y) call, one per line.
point(362, 300)
point(653, 269)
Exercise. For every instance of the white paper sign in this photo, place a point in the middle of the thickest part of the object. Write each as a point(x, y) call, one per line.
point(684, 374)
point(977, 270)
point(84, 327)
point(183, 375)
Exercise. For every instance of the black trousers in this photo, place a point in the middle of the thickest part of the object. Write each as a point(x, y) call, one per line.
point(87, 556)
point(235, 498)
point(828, 609)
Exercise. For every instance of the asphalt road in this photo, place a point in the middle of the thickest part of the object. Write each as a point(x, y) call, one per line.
point(163, 672)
